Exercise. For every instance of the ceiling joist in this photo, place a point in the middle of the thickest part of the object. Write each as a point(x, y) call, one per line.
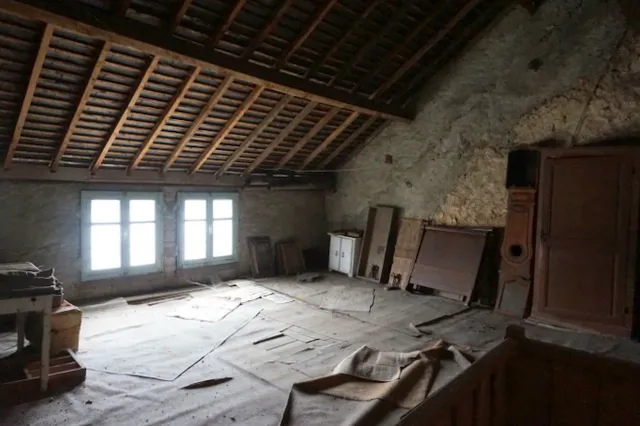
point(346, 123)
point(28, 96)
point(255, 133)
point(302, 142)
point(281, 137)
point(367, 124)
point(229, 125)
point(202, 116)
point(144, 78)
point(102, 57)
point(166, 115)
point(93, 22)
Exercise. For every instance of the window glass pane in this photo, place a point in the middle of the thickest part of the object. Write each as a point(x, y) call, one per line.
point(222, 238)
point(142, 210)
point(142, 244)
point(222, 209)
point(195, 240)
point(195, 209)
point(105, 211)
point(105, 247)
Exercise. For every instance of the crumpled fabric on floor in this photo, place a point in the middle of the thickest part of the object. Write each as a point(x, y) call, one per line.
point(349, 397)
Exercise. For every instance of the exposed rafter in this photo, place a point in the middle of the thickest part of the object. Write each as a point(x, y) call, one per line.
point(122, 7)
point(362, 18)
point(123, 117)
point(145, 37)
point(367, 124)
point(237, 116)
point(28, 96)
point(386, 59)
point(330, 139)
point(462, 13)
point(361, 146)
point(204, 113)
point(281, 136)
point(271, 24)
point(102, 57)
point(180, 12)
point(302, 142)
point(226, 23)
point(321, 12)
point(255, 133)
point(166, 115)
point(371, 41)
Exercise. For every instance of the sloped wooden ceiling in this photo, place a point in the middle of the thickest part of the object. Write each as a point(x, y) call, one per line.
point(234, 88)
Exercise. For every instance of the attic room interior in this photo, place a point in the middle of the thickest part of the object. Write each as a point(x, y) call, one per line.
point(305, 212)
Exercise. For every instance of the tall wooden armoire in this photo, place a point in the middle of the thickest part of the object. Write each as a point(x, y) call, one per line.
point(586, 234)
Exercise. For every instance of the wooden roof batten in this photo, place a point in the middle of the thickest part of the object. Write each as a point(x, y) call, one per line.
point(110, 27)
point(47, 34)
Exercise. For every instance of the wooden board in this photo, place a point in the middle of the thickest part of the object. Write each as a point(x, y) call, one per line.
point(407, 245)
point(449, 260)
point(261, 257)
point(584, 274)
point(289, 258)
point(377, 245)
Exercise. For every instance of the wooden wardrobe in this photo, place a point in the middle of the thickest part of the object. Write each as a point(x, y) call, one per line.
point(586, 236)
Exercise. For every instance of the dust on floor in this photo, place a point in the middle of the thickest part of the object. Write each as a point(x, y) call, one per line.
point(139, 357)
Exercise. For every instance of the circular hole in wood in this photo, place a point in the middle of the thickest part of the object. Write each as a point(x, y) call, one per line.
point(516, 251)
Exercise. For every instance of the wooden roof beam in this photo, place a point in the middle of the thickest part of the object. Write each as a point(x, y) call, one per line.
point(362, 18)
point(462, 13)
point(166, 115)
point(204, 113)
point(347, 142)
point(325, 144)
point(314, 131)
point(271, 24)
point(122, 7)
point(47, 34)
point(125, 113)
point(93, 22)
point(177, 18)
point(281, 137)
point(255, 133)
point(226, 23)
point(102, 57)
point(372, 41)
point(230, 124)
point(318, 16)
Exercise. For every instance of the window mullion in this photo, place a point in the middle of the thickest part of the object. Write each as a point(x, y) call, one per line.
point(124, 229)
point(209, 228)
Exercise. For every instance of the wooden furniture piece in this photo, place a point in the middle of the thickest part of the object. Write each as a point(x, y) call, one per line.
point(23, 305)
point(449, 260)
point(66, 372)
point(66, 321)
point(380, 234)
point(528, 383)
point(586, 238)
point(343, 253)
point(407, 245)
point(517, 254)
point(261, 257)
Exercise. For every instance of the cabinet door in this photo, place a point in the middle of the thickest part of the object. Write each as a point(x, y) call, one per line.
point(582, 272)
point(346, 255)
point(334, 253)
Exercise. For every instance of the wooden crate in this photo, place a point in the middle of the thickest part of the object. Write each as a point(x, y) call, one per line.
point(65, 373)
point(65, 328)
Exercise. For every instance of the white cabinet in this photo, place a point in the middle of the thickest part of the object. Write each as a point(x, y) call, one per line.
point(343, 254)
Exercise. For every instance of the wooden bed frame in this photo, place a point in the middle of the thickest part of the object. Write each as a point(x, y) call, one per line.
point(523, 382)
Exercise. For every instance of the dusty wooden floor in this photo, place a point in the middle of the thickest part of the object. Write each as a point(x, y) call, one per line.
point(314, 339)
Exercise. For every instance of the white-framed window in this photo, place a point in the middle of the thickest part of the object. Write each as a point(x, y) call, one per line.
point(121, 233)
point(208, 228)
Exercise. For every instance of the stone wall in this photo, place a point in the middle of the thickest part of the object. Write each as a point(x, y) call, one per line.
point(40, 222)
point(450, 164)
